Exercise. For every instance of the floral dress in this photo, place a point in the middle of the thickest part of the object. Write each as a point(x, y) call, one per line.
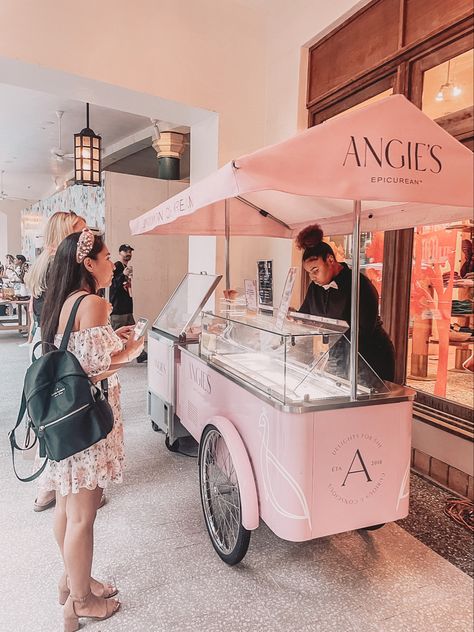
point(104, 461)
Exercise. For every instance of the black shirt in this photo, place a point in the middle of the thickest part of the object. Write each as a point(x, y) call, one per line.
point(38, 302)
point(122, 302)
point(374, 343)
point(38, 307)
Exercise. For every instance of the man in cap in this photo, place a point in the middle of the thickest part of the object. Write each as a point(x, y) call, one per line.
point(121, 293)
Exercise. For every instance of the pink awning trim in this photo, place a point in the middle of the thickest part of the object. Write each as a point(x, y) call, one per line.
point(404, 166)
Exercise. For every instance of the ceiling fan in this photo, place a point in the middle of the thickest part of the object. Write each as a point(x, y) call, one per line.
point(57, 152)
point(4, 195)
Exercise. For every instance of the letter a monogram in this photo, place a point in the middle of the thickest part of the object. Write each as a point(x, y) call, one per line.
point(351, 471)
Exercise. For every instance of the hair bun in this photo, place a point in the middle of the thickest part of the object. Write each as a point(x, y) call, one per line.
point(309, 237)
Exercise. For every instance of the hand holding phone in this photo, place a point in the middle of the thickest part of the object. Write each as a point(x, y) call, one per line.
point(140, 328)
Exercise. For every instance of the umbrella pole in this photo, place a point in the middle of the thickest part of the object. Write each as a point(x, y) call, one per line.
point(354, 356)
point(227, 244)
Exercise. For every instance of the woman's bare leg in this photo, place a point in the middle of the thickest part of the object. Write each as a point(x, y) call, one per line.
point(81, 510)
point(59, 528)
point(60, 521)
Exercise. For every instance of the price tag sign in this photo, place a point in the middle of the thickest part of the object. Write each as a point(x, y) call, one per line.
point(286, 297)
point(251, 294)
point(265, 283)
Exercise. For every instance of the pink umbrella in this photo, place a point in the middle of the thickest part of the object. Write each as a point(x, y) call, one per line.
point(406, 169)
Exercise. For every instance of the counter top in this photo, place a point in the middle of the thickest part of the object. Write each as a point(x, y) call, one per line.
point(397, 393)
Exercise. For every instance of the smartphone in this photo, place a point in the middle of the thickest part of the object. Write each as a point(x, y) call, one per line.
point(140, 328)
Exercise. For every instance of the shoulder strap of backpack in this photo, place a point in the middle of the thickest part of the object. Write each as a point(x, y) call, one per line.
point(15, 446)
point(70, 322)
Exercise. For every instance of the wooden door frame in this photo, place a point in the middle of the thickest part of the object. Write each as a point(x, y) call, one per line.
point(407, 66)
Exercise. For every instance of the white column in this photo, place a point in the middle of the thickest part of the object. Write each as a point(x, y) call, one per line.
point(204, 160)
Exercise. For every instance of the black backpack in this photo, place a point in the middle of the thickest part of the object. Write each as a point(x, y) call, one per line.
point(65, 410)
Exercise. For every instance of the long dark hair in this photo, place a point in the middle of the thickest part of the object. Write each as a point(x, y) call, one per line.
point(66, 276)
point(310, 240)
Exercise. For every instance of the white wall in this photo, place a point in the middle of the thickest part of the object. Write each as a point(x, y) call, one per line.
point(208, 54)
point(159, 263)
point(247, 64)
point(10, 227)
point(3, 236)
point(290, 29)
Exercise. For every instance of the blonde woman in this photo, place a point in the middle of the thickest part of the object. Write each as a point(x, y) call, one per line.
point(59, 226)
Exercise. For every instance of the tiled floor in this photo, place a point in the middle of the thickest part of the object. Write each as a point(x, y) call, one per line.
point(429, 524)
point(151, 538)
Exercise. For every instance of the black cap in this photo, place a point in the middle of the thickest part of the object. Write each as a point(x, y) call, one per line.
point(125, 247)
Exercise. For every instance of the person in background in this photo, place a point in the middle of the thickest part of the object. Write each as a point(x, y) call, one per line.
point(329, 295)
point(468, 252)
point(59, 226)
point(81, 267)
point(10, 273)
point(121, 293)
point(21, 268)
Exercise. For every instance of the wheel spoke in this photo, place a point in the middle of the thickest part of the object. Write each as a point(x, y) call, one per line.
point(220, 493)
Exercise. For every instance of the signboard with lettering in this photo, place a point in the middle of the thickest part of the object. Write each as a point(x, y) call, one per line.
point(160, 357)
point(265, 283)
point(251, 294)
point(286, 296)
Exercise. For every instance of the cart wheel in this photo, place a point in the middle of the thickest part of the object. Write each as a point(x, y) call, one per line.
point(172, 447)
point(374, 527)
point(155, 427)
point(220, 498)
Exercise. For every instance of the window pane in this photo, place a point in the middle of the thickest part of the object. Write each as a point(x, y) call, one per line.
point(362, 104)
point(448, 88)
point(356, 101)
point(441, 332)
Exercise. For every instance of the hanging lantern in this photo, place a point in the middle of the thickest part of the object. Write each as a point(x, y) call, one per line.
point(87, 146)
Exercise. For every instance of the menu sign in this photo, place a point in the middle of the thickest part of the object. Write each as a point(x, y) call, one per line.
point(265, 283)
point(286, 297)
point(251, 294)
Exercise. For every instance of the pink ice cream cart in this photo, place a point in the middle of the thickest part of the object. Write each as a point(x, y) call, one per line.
point(294, 428)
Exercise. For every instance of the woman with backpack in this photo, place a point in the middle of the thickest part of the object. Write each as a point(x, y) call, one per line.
point(81, 267)
point(59, 226)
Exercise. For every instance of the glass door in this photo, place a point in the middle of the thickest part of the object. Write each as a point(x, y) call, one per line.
point(440, 362)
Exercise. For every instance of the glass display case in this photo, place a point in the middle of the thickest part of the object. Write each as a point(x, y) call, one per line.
point(177, 324)
point(303, 362)
point(178, 315)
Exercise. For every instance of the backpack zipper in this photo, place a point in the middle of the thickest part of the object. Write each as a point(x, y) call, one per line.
point(56, 421)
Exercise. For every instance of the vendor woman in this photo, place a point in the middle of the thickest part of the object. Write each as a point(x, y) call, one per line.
point(329, 295)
